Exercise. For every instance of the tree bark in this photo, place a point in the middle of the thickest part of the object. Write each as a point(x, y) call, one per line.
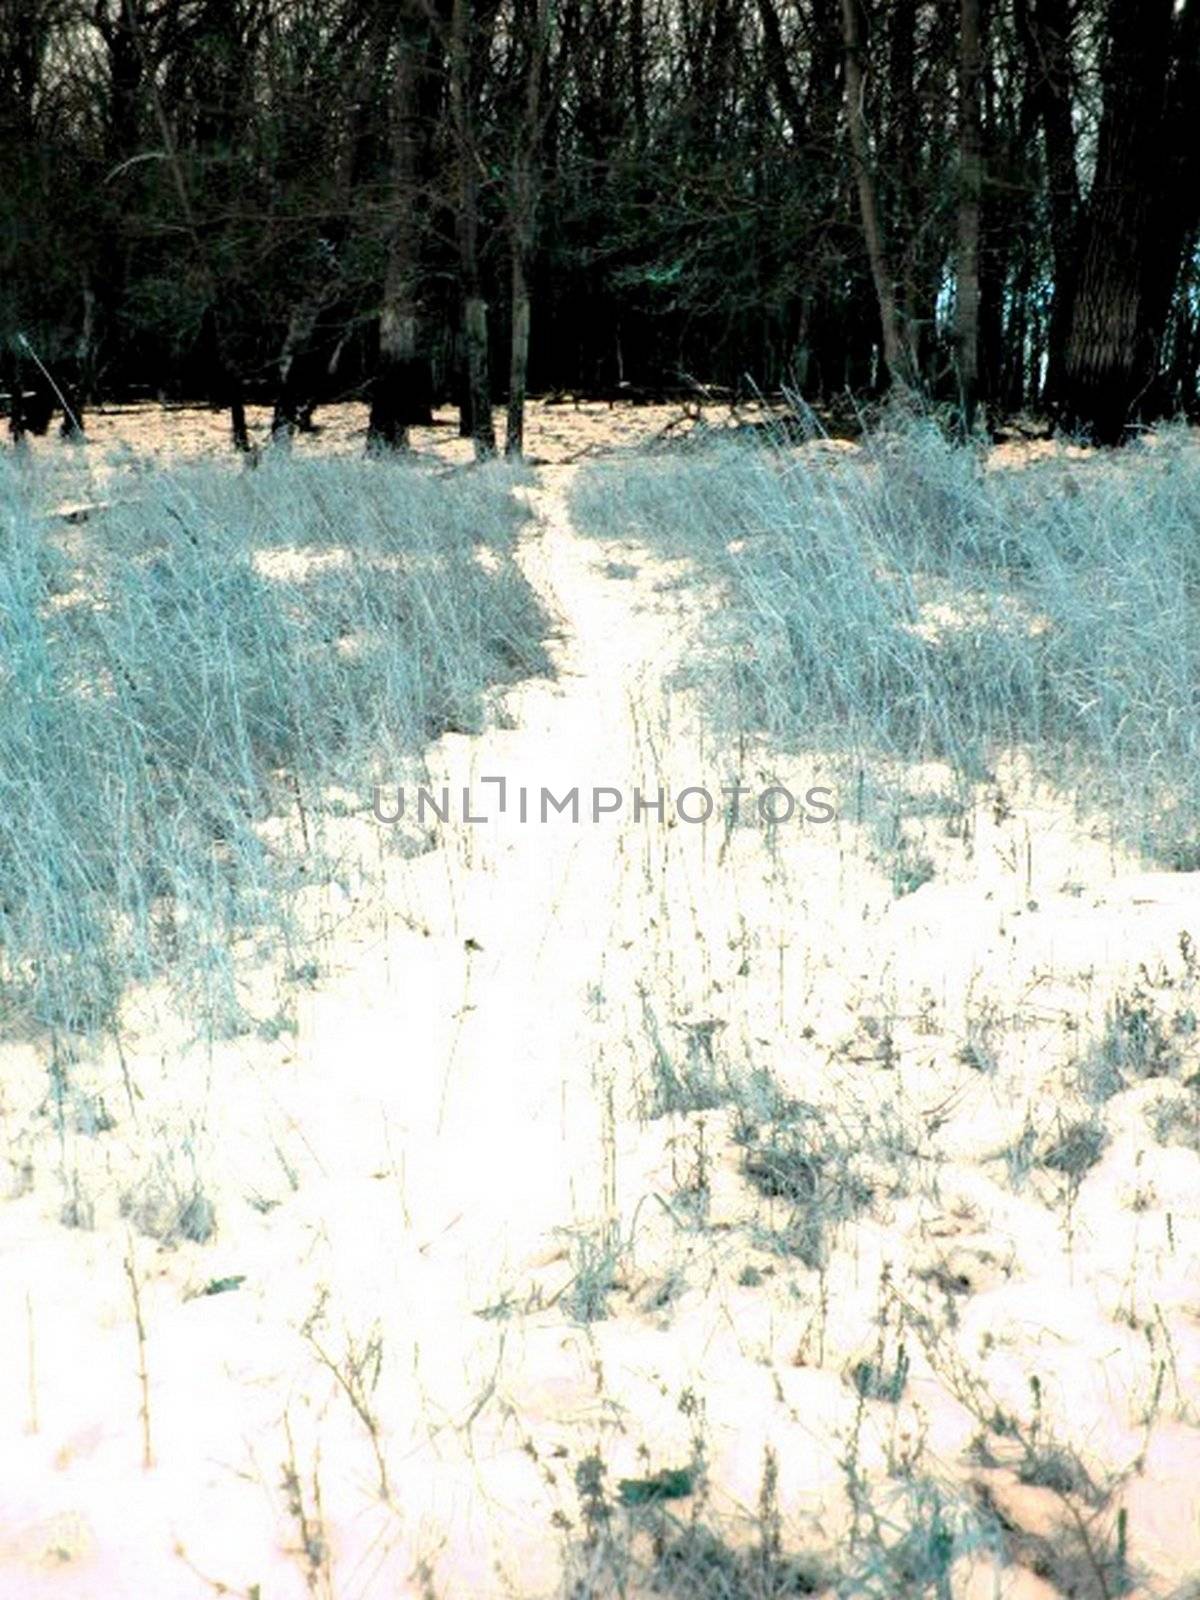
point(523, 200)
point(1046, 36)
point(474, 306)
point(780, 72)
point(127, 53)
point(1176, 199)
point(400, 393)
point(896, 353)
point(970, 158)
point(1110, 355)
point(514, 437)
point(637, 73)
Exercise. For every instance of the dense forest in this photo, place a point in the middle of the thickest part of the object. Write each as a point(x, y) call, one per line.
point(993, 204)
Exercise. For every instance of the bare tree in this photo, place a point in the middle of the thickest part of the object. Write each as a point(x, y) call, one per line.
point(970, 144)
point(224, 379)
point(896, 351)
point(464, 43)
point(612, 192)
point(400, 391)
point(523, 201)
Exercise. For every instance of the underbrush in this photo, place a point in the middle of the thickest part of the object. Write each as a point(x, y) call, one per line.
point(197, 681)
point(901, 603)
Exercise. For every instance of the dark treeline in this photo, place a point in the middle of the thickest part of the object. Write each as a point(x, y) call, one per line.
point(992, 203)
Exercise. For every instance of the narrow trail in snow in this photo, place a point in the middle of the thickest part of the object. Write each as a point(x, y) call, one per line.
point(517, 1020)
point(558, 919)
point(472, 1247)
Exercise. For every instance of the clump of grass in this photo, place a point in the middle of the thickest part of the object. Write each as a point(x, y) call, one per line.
point(877, 1382)
point(191, 687)
point(908, 1537)
point(1137, 1043)
point(884, 1374)
point(1176, 1120)
point(640, 1539)
point(1085, 1552)
point(596, 1258)
point(790, 1154)
point(694, 1561)
point(682, 1082)
point(1075, 1147)
point(980, 1047)
point(911, 870)
point(170, 1203)
point(906, 605)
point(1071, 1147)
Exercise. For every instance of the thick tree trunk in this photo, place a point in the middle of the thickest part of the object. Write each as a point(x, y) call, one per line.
point(1177, 200)
point(125, 59)
point(1046, 35)
point(896, 353)
point(1110, 355)
point(400, 393)
point(1185, 368)
point(970, 158)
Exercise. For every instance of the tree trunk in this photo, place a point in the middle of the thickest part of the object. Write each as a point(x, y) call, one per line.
point(1110, 355)
point(1176, 200)
point(475, 341)
point(523, 200)
point(126, 56)
point(900, 139)
point(305, 371)
point(289, 401)
point(14, 381)
point(514, 437)
point(225, 382)
point(400, 393)
point(895, 349)
point(637, 73)
point(1046, 36)
point(970, 146)
point(780, 72)
point(474, 306)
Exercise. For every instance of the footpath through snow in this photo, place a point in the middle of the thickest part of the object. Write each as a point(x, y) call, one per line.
point(472, 1254)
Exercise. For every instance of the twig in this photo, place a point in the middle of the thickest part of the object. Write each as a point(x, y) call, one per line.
point(349, 1378)
point(32, 1425)
point(62, 399)
point(143, 1375)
